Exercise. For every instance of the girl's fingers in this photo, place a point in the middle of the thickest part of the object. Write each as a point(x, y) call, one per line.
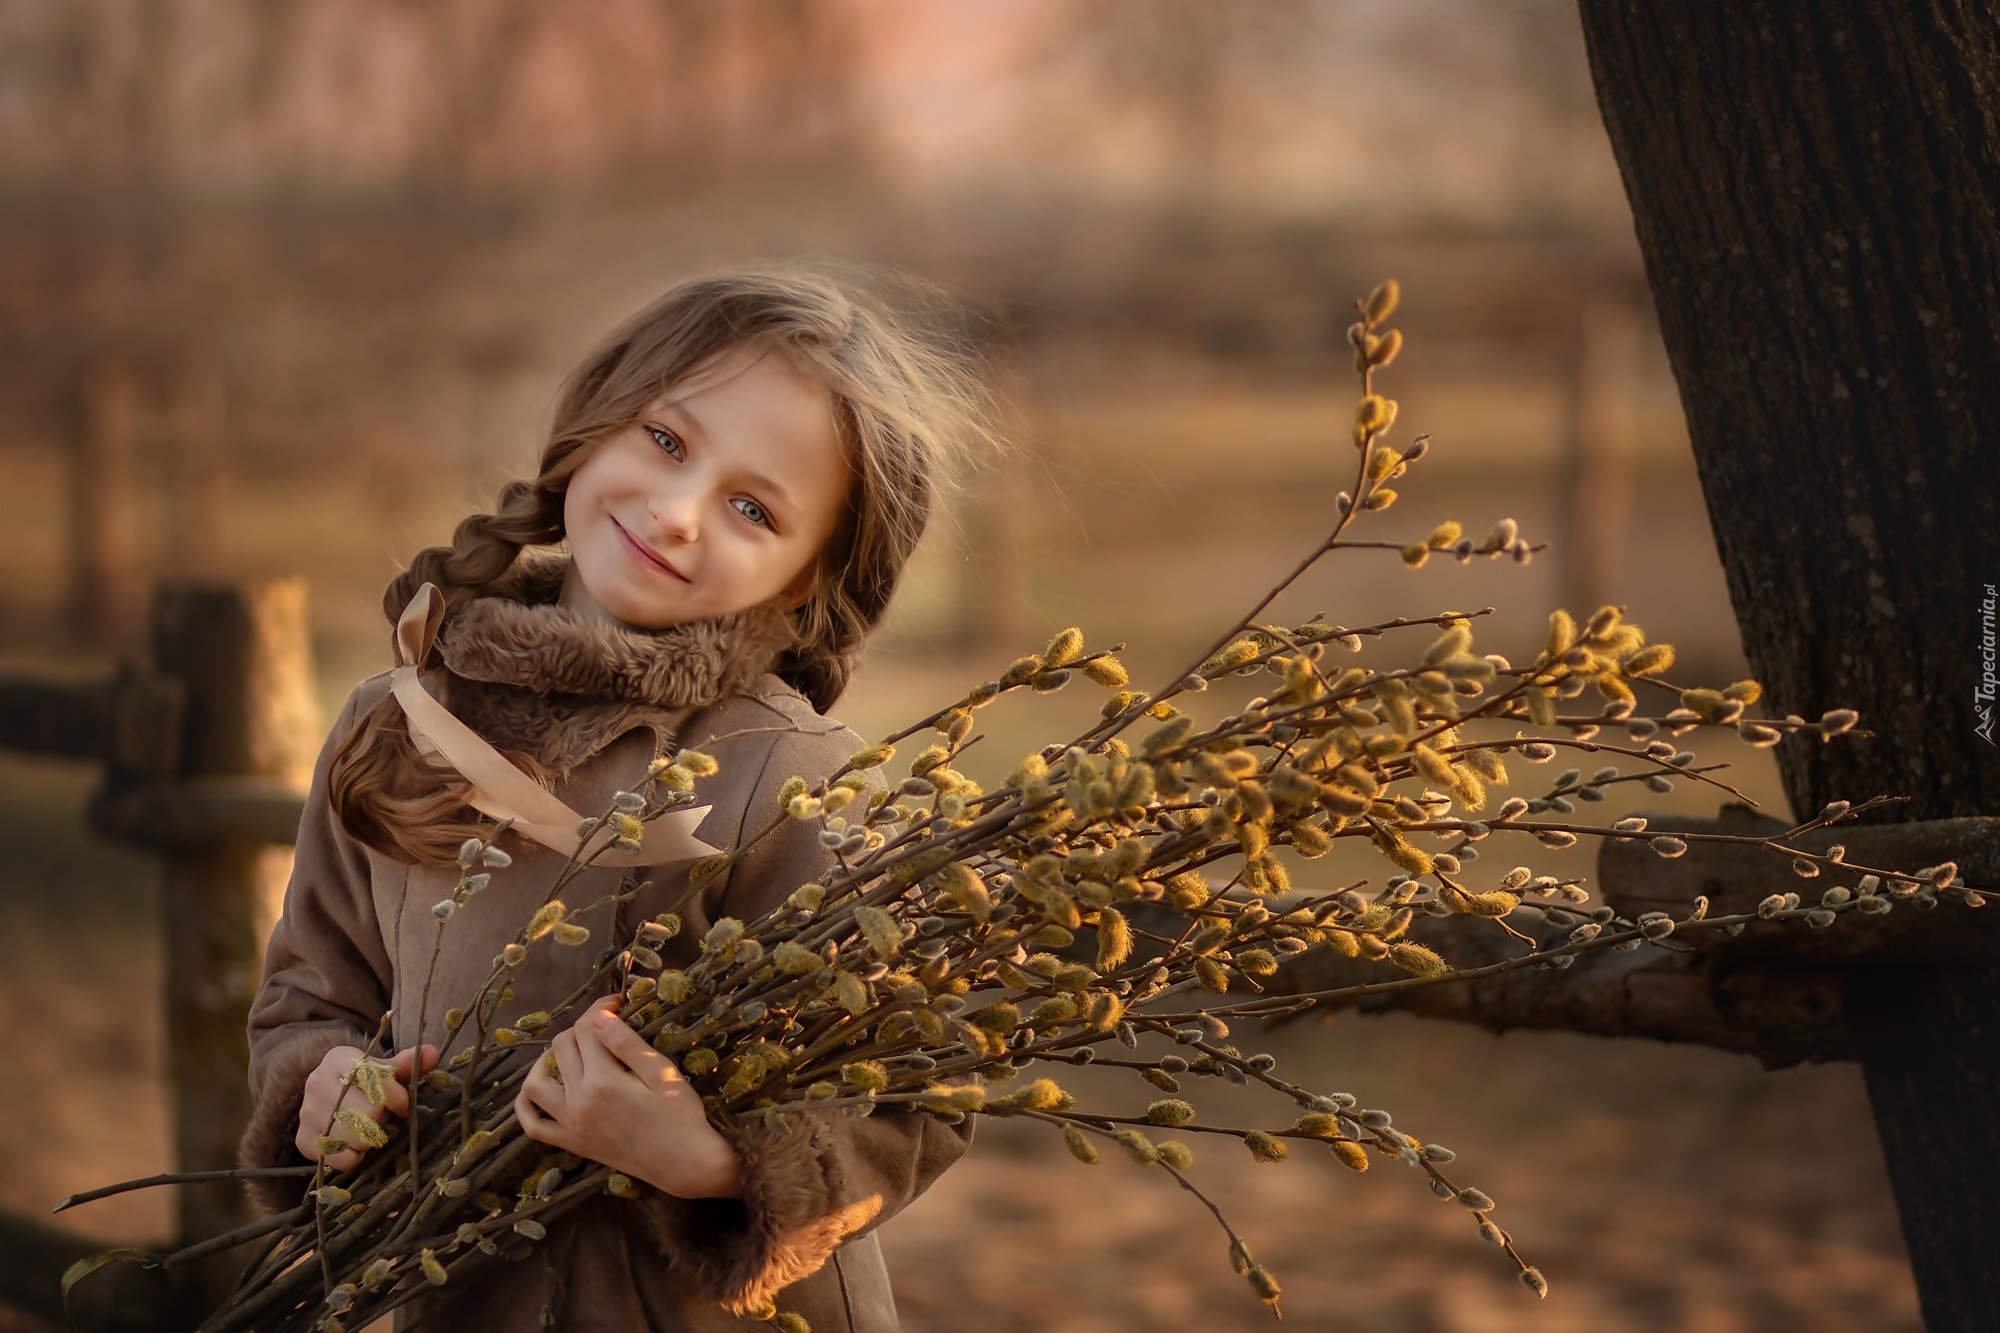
point(541, 1103)
point(353, 1095)
point(634, 1051)
point(395, 1101)
point(325, 1091)
point(568, 1059)
point(597, 1062)
point(534, 1124)
point(395, 1091)
point(307, 1142)
point(348, 1094)
point(403, 1059)
point(542, 1086)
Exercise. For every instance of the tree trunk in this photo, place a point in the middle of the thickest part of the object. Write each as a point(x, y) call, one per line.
point(1816, 189)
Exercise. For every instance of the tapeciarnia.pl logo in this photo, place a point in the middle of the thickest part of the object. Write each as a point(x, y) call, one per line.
point(1989, 680)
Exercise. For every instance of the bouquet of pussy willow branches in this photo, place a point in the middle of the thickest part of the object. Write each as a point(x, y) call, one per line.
point(1119, 900)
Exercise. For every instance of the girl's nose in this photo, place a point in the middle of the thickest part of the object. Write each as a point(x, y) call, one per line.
point(675, 515)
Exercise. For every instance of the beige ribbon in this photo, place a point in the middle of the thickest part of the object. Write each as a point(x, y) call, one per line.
point(498, 788)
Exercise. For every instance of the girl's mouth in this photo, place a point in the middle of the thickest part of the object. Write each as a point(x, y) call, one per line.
point(644, 553)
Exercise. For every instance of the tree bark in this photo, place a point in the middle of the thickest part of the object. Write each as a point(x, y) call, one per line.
point(1816, 190)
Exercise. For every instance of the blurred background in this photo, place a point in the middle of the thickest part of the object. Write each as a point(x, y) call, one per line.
point(286, 287)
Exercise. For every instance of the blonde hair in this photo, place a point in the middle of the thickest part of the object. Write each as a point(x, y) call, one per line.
point(909, 404)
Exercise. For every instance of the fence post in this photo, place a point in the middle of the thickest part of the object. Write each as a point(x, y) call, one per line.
point(248, 736)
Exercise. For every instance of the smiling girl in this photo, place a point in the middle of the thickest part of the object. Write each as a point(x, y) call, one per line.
point(731, 488)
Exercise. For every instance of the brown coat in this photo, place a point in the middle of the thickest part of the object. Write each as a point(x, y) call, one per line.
point(357, 936)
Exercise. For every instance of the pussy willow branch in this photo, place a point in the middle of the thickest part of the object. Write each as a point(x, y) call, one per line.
point(1278, 589)
point(868, 987)
point(182, 1178)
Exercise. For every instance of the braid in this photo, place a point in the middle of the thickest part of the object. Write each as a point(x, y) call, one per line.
point(390, 798)
point(483, 547)
point(386, 794)
point(819, 668)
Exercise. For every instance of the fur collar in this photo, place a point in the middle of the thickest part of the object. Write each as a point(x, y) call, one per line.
point(554, 650)
point(556, 686)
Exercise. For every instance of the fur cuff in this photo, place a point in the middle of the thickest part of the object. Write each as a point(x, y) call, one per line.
point(741, 1253)
point(271, 1137)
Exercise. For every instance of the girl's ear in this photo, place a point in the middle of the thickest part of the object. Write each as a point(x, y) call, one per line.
point(800, 590)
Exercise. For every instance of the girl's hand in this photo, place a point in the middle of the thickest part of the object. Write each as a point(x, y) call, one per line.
point(324, 1095)
point(622, 1103)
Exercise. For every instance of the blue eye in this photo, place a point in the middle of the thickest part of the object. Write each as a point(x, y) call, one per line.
point(753, 511)
point(667, 442)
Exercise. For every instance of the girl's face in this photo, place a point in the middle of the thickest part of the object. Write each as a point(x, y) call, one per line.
point(719, 497)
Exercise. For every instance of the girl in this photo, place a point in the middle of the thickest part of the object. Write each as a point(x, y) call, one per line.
point(738, 477)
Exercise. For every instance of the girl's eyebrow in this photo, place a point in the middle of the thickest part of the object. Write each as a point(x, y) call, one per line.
point(686, 414)
point(774, 488)
point(776, 491)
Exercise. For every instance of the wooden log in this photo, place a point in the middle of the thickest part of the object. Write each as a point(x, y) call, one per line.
point(1781, 1013)
point(244, 658)
point(1776, 991)
point(1735, 877)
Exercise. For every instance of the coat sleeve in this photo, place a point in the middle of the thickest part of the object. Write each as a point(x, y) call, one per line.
point(830, 1177)
point(327, 978)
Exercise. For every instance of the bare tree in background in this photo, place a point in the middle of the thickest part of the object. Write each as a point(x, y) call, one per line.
point(1175, 59)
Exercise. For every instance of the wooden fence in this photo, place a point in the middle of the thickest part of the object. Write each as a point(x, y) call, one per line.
point(205, 754)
